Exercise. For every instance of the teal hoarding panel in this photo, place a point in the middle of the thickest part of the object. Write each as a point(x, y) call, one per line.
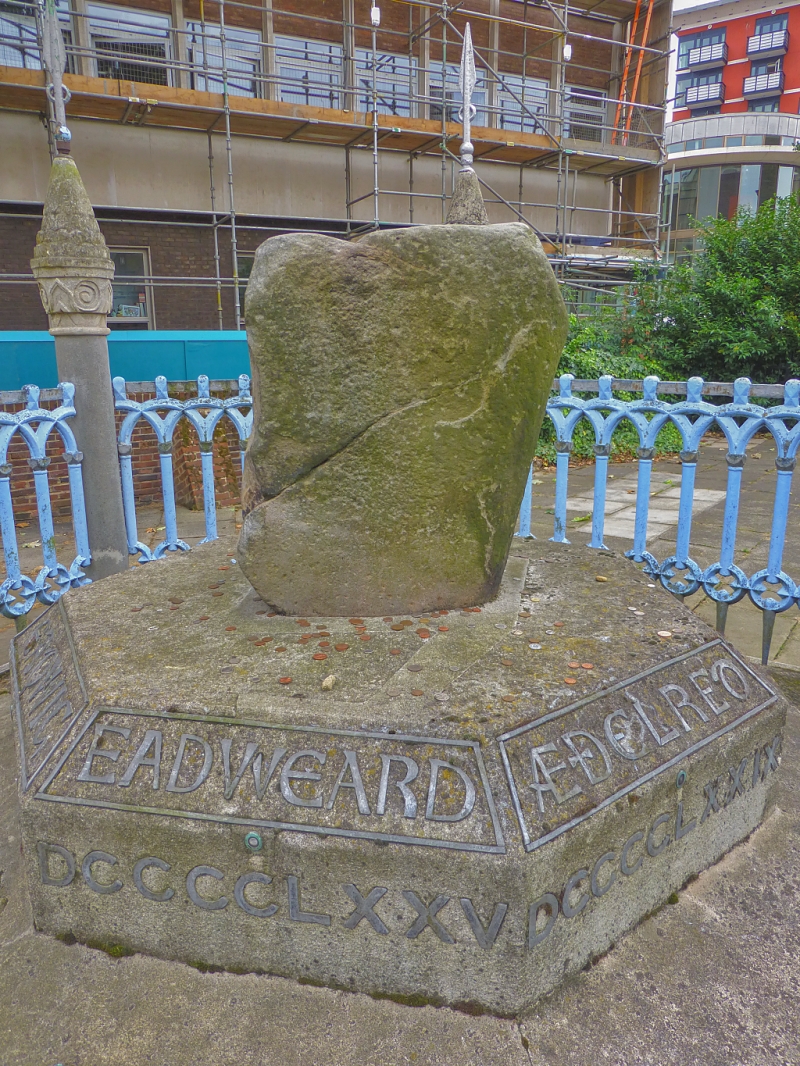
point(28, 357)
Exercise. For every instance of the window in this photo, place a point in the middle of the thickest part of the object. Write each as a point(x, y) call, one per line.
point(19, 39)
point(242, 55)
point(764, 105)
point(772, 24)
point(453, 98)
point(132, 304)
point(131, 45)
point(714, 142)
point(687, 81)
point(733, 142)
point(394, 74)
point(678, 146)
point(512, 93)
point(697, 40)
point(584, 113)
point(687, 198)
point(310, 72)
point(766, 66)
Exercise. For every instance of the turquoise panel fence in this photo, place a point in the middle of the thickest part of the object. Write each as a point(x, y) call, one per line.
point(136, 355)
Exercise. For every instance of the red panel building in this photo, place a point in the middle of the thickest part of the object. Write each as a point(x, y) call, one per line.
point(735, 132)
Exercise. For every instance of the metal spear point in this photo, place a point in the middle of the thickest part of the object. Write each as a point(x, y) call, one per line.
point(467, 79)
point(54, 56)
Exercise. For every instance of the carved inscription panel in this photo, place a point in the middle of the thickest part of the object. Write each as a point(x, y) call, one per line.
point(406, 789)
point(48, 689)
point(565, 766)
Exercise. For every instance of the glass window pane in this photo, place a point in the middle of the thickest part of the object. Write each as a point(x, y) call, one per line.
point(748, 187)
point(728, 191)
point(687, 199)
point(130, 294)
point(714, 142)
point(768, 189)
point(708, 192)
point(785, 175)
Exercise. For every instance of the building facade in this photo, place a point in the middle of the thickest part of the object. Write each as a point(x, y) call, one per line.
point(734, 139)
point(201, 128)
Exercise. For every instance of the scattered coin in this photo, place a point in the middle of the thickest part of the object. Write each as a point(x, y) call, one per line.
point(535, 647)
point(507, 662)
point(398, 628)
point(174, 607)
point(664, 633)
point(217, 593)
point(357, 621)
point(303, 622)
point(135, 609)
point(226, 670)
point(599, 577)
point(324, 644)
point(423, 633)
point(587, 666)
point(323, 632)
point(280, 649)
point(558, 625)
point(570, 681)
point(394, 651)
point(223, 568)
point(175, 599)
point(202, 618)
point(341, 647)
point(507, 699)
point(394, 692)
point(387, 619)
point(417, 692)
point(414, 668)
point(444, 629)
point(320, 655)
point(285, 680)
point(365, 636)
point(573, 665)
point(639, 614)
point(442, 697)
point(230, 629)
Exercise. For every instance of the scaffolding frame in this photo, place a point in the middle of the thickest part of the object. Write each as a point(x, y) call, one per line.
point(432, 29)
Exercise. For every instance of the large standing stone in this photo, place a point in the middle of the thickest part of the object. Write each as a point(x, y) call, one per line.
point(399, 387)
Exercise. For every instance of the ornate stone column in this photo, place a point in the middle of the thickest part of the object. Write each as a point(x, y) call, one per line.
point(74, 271)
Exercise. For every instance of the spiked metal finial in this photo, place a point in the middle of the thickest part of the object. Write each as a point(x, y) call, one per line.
point(467, 79)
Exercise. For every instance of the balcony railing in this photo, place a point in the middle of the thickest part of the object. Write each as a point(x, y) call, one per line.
point(763, 85)
point(709, 55)
point(702, 95)
point(764, 45)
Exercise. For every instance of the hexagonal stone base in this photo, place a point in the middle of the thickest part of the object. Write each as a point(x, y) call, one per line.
point(454, 808)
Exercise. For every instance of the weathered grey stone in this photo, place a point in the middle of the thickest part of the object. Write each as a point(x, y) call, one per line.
point(527, 798)
point(467, 207)
point(393, 379)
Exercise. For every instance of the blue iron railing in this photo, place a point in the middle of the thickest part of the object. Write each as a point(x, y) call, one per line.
point(771, 589)
point(34, 426)
point(163, 413)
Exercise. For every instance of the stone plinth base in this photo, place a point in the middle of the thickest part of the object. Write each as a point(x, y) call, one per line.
point(453, 808)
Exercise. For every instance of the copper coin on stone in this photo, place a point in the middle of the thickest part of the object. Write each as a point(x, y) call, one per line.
point(285, 680)
point(216, 586)
point(587, 666)
point(259, 643)
point(423, 633)
point(365, 636)
point(417, 692)
point(217, 593)
point(443, 613)
point(414, 668)
point(507, 699)
point(570, 681)
point(444, 629)
point(397, 629)
point(356, 621)
point(323, 633)
point(507, 662)
point(406, 622)
point(280, 649)
point(202, 618)
point(134, 610)
point(303, 622)
point(394, 651)
point(558, 625)
point(272, 614)
point(320, 655)
point(230, 629)
point(573, 666)
point(223, 568)
point(388, 619)
point(261, 612)
point(341, 647)
point(175, 599)
point(324, 644)
point(424, 621)
point(174, 607)
point(394, 692)
point(253, 639)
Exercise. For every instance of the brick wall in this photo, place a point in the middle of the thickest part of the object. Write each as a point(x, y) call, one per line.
point(179, 251)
